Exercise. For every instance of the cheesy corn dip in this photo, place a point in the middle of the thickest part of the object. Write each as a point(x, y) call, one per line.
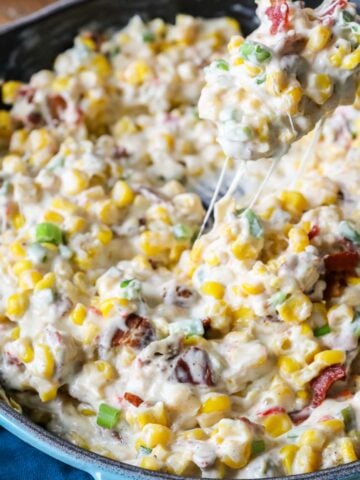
point(235, 356)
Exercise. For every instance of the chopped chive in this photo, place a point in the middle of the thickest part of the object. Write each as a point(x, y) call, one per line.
point(131, 289)
point(182, 232)
point(347, 16)
point(247, 49)
point(262, 54)
point(255, 227)
point(260, 80)
point(321, 331)
point(148, 37)
point(349, 232)
point(349, 418)
point(257, 446)
point(49, 233)
point(222, 64)
point(278, 298)
point(108, 416)
point(125, 283)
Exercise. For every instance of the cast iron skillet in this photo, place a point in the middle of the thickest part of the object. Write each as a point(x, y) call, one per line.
point(31, 44)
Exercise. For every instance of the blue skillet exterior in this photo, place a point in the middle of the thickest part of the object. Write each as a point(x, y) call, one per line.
point(31, 44)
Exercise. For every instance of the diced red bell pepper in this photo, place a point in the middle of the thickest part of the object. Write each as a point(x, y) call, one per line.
point(314, 232)
point(133, 399)
point(278, 14)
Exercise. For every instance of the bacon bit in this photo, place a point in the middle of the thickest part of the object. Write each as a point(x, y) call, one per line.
point(314, 232)
point(120, 152)
point(301, 415)
point(133, 399)
point(57, 105)
point(34, 118)
point(335, 284)
point(206, 323)
point(138, 335)
point(271, 411)
point(278, 14)
point(344, 394)
point(95, 310)
point(341, 261)
point(194, 367)
point(323, 382)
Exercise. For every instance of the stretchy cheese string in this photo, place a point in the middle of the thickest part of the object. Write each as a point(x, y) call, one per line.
point(264, 182)
point(214, 197)
point(235, 183)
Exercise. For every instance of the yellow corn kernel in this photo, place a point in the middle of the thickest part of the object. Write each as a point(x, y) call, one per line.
point(104, 235)
point(122, 194)
point(106, 369)
point(235, 43)
point(353, 281)
point(124, 126)
point(318, 39)
point(197, 251)
point(303, 395)
point(352, 60)
point(60, 84)
point(158, 213)
point(154, 434)
point(76, 225)
point(347, 450)
point(212, 259)
point(333, 425)
point(13, 164)
point(87, 412)
point(18, 221)
point(233, 24)
point(26, 351)
point(244, 251)
point(9, 91)
point(252, 288)
point(277, 424)
point(296, 309)
point(78, 315)
point(90, 333)
point(287, 455)
point(217, 403)
point(54, 217)
point(238, 61)
point(288, 365)
point(49, 394)
point(101, 65)
point(17, 249)
point(29, 279)
point(15, 333)
point(17, 304)
point(152, 243)
point(75, 182)
point(142, 262)
point(5, 124)
point(306, 460)
point(137, 72)
point(306, 330)
point(87, 42)
point(294, 95)
point(243, 313)
point(45, 361)
point(298, 240)
point(149, 463)
point(213, 289)
point(18, 141)
point(107, 306)
point(252, 70)
point(330, 357)
point(312, 437)
point(48, 281)
point(336, 59)
point(276, 82)
point(50, 246)
point(108, 212)
point(61, 204)
point(293, 202)
point(194, 434)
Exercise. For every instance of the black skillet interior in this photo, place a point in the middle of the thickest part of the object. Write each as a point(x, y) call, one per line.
point(32, 44)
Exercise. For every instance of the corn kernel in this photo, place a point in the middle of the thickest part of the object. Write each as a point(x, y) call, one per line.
point(287, 455)
point(53, 217)
point(26, 351)
point(100, 65)
point(318, 38)
point(107, 306)
point(122, 194)
point(125, 126)
point(61, 204)
point(352, 60)
point(252, 70)
point(333, 425)
point(17, 304)
point(75, 182)
point(78, 315)
point(45, 361)
point(347, 450)
point(312, 437)
point(29, 279)
point(49, 394)
point(10, 90)
point(244, 251)
point(155, 243)
point(293, 202)
point(294, 95)
point(306, 460)
point(276, 82)
point(277, 424)
point(330, 357)
point(13, 164)
point(218, 403)
point(149, 463)
point(15, 333)
point(213, 289)
point(288, 365)
point(18, 221)
point(17, 249)
point(298, 240)
point(104, 235)
point(252, 288)
point(296, 309)
point(137, 73)
point(154, 434)
point(194, 434)
point(106, 369)
point(48, 281)
point(5, 124)
point(90, 333)
point(108, 212)
point(235, 43)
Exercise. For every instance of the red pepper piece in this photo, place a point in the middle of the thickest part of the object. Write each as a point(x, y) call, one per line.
point(133, 399)
point(314, 232)
point(341, 261)
point(271, 411)
point(278, 14)
point(322, 383)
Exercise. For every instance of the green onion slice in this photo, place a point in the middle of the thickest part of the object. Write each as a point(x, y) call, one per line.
point(262, 54)
point(349, 232)
point(257, 447)
point(49, 233)
point(256, 229)
point(222, 64)
point(182, 232)
point(108, 416)
point(349, 418)
point(148, 37)
point(321, 331)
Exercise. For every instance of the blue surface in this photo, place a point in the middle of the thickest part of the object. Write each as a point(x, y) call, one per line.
point(19, 461)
